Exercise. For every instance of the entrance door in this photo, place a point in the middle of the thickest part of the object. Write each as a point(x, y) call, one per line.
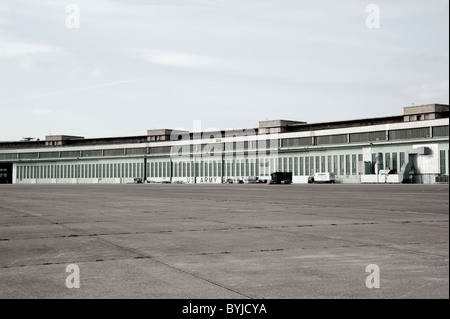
point(6, 173)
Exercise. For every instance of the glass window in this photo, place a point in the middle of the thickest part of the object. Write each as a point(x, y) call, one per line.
point(322, 164)
point(442, 162)
point(387, 163)
point(335, 164)
point(354, 170)
point(395, 162)
point(233, 171)
point(307, 168)
point(302, 166)
point(347, 165)
point(341, 165)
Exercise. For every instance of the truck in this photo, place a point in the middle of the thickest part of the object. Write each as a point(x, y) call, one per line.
point(281, 178)
point(324, 178)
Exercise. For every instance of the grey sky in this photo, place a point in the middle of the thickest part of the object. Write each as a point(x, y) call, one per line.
point(135, 65)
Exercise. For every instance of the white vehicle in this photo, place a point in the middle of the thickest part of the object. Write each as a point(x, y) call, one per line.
point(324, 178)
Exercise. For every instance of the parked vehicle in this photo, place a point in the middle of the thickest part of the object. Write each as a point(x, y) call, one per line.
point(324, 178)
point(281, 178)
point(138, 180)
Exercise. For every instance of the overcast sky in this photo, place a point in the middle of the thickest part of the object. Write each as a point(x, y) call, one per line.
point(134, 65)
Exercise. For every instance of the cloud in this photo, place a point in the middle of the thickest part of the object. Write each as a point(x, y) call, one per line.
point(13, 49)
point(173, 58)
point(428, 92)
point(42, 111)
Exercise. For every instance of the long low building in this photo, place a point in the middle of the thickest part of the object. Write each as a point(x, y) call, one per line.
point(413, 147)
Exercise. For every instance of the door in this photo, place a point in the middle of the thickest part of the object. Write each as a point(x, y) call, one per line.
point(6, 171)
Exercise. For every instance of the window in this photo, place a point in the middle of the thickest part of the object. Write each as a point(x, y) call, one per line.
point(311, 165)
point(8, 156)
point(139, 151)
point(423, 132)
point(368, 137)
point(387, 161)
point(347, 165)
point(49, 155)
point(335, 164)
point(307, 168)
point(70, 154)
point(341, 165)
point(323, 164)
point(329, 164)
point(331, 139)
point(202, 168)
point(395, 162)
point(354, 171)
point(317, 165)
point(440, 131)
point(28, 155)
point(296, 166)
point(295, 142)
point(302, 167)
point(442, 162)
point(93, 153)
point(108, 153)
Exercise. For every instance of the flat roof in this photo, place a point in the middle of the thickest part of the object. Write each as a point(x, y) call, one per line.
point(287, 126)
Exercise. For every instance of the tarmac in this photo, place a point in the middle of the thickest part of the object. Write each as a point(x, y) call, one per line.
point(165, 241)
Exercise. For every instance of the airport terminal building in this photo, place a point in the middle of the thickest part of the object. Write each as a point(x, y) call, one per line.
point(409, 148)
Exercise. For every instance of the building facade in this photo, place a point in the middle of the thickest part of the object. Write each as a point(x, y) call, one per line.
point(413, 147)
